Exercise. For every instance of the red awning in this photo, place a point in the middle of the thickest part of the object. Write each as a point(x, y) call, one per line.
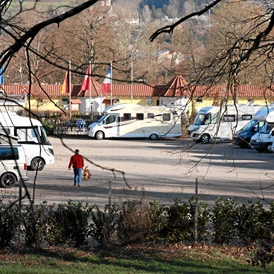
point(75, 101)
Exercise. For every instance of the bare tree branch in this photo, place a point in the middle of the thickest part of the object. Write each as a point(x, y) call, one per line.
point(170, 28)
point(32, 32)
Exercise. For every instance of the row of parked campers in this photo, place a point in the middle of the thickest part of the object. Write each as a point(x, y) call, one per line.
point(246, 126)
point(13, 168)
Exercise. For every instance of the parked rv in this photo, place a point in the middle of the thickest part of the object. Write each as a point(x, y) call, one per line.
point(243, 136)
point(263, 140)
point(31, 135)
point(136, 121)
point(220, 123)
point(13, 166)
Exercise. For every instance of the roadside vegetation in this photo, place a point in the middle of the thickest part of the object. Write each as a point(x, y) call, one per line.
point(138, 237)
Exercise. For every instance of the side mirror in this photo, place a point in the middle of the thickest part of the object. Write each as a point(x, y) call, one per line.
point(272, 133)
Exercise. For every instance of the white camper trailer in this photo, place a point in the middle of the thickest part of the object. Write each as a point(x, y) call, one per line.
point(136, 121)
point(220, 123)
point(31, 135)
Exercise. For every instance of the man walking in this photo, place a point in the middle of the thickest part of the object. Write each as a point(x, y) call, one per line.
point(77, 163)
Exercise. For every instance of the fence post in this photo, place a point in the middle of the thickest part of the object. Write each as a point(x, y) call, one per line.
point(109, 194)
point(196, 212)
point(20, 210)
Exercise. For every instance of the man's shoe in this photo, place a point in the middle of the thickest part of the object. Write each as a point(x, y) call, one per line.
point(74, 184)
point(78, 185)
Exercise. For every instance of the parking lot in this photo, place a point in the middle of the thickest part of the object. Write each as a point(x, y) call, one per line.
point(152, 170)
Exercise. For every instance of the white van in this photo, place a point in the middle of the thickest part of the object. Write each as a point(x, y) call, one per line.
point(220, 123)
point(243, 137)
point(263, 140)
point(13, 166)
point(136, 121)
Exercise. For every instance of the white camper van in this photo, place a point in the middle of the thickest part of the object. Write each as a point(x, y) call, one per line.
point(13, 166)
point(220, 123)
point(31, 135)
point(136, 121)
point(262, 141)
point(243, 137)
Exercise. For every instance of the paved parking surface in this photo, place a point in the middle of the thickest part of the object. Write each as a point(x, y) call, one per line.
point(153, 170)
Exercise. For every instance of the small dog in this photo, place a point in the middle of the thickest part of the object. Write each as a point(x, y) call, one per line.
point(86, 174)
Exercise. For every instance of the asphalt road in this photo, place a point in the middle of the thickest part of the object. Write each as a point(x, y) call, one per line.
point(153, 170)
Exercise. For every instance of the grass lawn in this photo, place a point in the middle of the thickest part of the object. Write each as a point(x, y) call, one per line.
point(131, 259)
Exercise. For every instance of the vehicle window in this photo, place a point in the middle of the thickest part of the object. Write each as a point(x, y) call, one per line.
point(127, 116)
point(150, 115)
point(5, 130)
point(246, 117)
point(110, 119)
point(229, 118)
point(266, 128)
point(166, 117)
point(29, 134)
point(8, 153)
point(203, 119)
point(140, 116)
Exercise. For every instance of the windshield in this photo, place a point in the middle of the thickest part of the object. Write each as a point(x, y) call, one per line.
point(202, 119)
point(266, 128)
point(44, 137)
point(249, 125)
point(102, 119)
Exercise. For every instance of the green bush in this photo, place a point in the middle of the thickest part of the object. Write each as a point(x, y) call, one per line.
point(9, 224)
point(35, 223)
point(181, 221)
point(178, 226)
point(104, 224)
point(158, 218)
point(74, 223)
point(203, 218)
point(68, 224)
point(224, 220)
point(251, 222)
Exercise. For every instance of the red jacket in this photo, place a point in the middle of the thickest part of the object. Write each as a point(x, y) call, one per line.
point(76, 161)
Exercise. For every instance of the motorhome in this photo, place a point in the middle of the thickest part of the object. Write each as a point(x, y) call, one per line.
point(263, 140)
point(220, 123)
point(136, 121)
point(243, 136)
point(31, 135)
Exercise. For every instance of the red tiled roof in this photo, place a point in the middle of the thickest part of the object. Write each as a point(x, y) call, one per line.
point(242, 91)
point(177, 87)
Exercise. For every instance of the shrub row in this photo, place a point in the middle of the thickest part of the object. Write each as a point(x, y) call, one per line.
point(74, 224)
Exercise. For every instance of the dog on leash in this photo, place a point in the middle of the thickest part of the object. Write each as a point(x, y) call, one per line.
point(86, 174)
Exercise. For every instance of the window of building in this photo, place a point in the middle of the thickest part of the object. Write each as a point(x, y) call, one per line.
point(150, 115)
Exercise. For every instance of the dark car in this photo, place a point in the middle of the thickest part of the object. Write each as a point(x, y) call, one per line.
point(243, 136)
